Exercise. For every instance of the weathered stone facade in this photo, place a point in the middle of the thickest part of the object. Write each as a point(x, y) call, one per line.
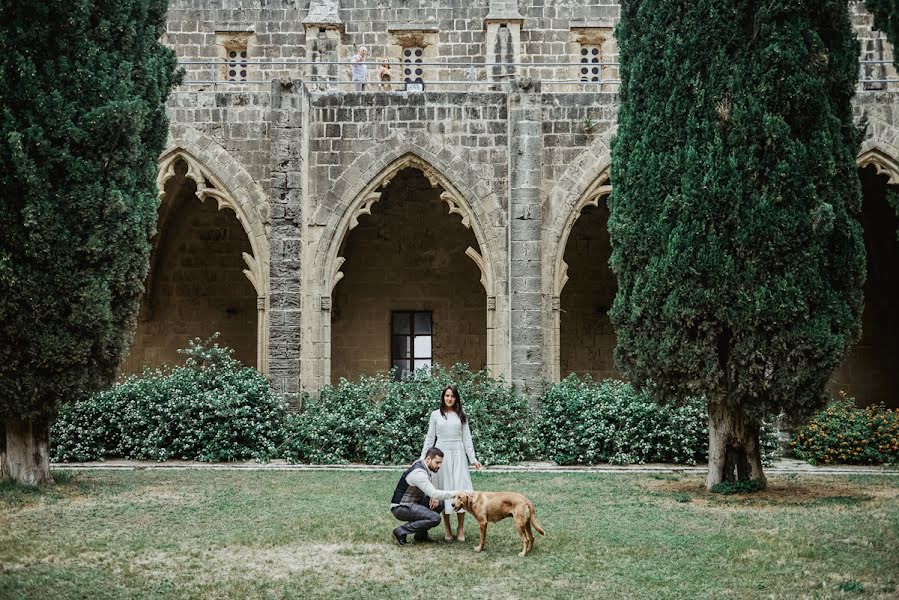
point(463, 199)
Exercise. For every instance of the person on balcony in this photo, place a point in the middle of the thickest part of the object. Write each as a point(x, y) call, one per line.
point(359, 69)
point(384, 75)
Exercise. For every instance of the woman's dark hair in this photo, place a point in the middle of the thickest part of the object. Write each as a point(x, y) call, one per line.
point(457, 407)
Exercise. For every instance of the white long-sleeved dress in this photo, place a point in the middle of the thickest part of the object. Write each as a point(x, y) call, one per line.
point(454, 438)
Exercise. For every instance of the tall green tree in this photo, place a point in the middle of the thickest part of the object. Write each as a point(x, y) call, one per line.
point(82, 121)
point(734, 228)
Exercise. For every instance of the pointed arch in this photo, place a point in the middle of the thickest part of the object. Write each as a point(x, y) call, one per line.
point(245, 201)
point(875, 155)
point(585, 183)
point(365, 197)
point(599, 189)
point(469, 198)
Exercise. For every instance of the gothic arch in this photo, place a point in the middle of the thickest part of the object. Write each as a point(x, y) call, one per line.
point(467, 194)
point(568, 198)
point(556, 270)
point(875, 155)
point(596, 191)
point(359, 201)
point(219, 176)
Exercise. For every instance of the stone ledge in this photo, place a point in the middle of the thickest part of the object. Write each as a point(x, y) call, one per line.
point(416, 27)
point(781, 467)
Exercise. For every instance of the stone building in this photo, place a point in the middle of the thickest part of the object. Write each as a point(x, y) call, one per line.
point(454, 213)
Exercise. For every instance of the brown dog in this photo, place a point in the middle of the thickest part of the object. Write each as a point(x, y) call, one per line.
point(490, 507)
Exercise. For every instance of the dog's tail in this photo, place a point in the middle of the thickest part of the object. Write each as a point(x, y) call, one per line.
point(532, 517)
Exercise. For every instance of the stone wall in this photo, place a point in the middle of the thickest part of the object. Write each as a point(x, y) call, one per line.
point(197, 29)
point(357, 144)
point(514, 159)
point(240, 122)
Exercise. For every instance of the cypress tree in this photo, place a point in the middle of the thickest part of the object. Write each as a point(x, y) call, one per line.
point(736, 244)
point(82, 121)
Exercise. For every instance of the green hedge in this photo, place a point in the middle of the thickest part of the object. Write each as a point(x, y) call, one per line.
point(844, 433)
point(214, 409)
point(587, 422)
point(210, 409)
point(377, 420)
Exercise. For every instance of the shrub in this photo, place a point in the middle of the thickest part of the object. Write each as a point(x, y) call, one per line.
point(210, 409)
point(843, 433)
point(587, 422)
point(377, 420)
point(584, 422)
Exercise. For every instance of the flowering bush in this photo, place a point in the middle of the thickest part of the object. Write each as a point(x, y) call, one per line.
point(210, 409)
point(843, 433)
point(587, 422)
point(377, 420)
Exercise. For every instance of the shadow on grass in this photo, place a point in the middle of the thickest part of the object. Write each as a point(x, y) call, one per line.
point(778, 493)
point(65, 485)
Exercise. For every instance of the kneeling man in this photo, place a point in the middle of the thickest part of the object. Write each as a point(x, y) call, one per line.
point(415, 498)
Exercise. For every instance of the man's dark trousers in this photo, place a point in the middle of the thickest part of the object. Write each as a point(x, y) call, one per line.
point(419, 516)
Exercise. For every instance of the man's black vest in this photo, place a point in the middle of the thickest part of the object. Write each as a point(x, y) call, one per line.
point(405, 493)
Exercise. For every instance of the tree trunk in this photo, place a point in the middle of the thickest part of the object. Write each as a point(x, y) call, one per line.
point(734, 450)
point(25, 451)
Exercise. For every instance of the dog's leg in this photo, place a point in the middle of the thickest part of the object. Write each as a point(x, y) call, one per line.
point(530, 533)
point(521, 519)
point(480, 546)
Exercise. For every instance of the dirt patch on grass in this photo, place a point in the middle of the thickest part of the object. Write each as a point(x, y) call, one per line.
point(780, 492)
point(344, 561)
point(338, 562)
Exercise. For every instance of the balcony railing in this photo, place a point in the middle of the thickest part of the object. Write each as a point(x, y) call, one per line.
point(558, 77)
point(456, 76)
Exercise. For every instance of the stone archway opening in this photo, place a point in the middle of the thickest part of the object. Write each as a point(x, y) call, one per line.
point(407, 270)
point(869, 372)
point(196, 285)
point(586, 335)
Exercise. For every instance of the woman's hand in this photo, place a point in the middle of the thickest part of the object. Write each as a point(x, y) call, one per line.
point(476, 465)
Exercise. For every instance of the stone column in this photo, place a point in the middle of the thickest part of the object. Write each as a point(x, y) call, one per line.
point(323, 32)
point(503, 39)
point(288, 182)
point(525, 223)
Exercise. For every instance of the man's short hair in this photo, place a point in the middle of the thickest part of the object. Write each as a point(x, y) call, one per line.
point(433, 451)
point(362, 49)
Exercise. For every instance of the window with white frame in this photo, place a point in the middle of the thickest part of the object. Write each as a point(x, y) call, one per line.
point(410, 341)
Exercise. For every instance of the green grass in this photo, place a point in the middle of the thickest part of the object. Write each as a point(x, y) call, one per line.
point(271, 534)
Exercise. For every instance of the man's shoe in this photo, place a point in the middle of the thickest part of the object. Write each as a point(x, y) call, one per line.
point(423, 539)
point(399, 537)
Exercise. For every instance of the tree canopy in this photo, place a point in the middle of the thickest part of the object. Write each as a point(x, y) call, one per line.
point(733, 222)
point(82, 122)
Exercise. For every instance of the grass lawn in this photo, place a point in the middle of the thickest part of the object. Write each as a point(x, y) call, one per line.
point(290, 534)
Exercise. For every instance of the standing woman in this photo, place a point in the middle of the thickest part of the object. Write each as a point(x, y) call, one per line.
point(448, 430)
